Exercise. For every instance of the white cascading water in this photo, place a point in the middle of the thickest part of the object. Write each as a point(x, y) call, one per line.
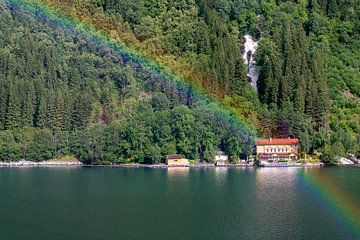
point(250, 47)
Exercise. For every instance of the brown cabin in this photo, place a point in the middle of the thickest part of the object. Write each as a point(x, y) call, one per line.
point(176, 160)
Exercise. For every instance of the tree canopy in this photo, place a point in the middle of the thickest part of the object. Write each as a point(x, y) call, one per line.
point(60, 85)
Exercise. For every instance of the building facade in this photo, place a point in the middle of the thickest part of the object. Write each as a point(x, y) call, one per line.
point(221, 159)
point(176, 160)
point(277, 149)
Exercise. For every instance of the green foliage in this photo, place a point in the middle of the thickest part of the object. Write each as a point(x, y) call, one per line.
point(92, 103)
point(146, 138)
point(10, 150)
point(69, 98)
point(309, 68)
point(42, 146)
point(233, 149)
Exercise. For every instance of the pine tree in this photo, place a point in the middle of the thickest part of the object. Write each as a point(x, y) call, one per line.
point(332, 8)
point(41, 120)
point(80, 114)
point(67, 110)
point(270, 77)
point(12, 114)
point(299, 98)
point(27, 104)
point(239, 79)
point(322, 99)
point(267, 74)
point(285, 85)
point(3, 101)
point(300, 92)
point(311, 92)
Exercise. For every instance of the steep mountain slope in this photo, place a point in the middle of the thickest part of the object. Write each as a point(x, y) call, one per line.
point(308, 60)
point(64, 93)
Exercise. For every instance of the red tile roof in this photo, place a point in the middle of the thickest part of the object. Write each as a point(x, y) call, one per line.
point(277, 141)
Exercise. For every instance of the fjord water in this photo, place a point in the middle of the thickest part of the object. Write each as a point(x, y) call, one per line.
point(118, 203)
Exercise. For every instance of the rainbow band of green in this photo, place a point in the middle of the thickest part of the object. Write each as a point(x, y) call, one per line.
point(137, 60)
point(337, 202)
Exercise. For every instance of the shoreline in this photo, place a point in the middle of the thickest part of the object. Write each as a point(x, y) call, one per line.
point(41, 164)
point(24, 164)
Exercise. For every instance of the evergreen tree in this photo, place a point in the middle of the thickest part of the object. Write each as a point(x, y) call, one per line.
point(59, 113)
point(239, 79)
point(41, 110)
point(12, 115)
point(81, 111)
point(27, 94)
point(3, 101)
point(321, 100)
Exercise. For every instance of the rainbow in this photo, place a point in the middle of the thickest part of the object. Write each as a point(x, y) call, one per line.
point(337, 203)
point(136, 61)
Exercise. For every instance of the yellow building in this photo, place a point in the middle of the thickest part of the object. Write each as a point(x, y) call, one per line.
point(277, 149)
point(176, 160)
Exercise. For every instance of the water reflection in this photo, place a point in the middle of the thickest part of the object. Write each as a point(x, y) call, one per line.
point(174, 203)
point(177, 171)
point(266, 177)
point(277, 198)
point(221, 173)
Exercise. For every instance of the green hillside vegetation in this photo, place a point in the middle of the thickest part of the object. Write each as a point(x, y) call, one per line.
point(310, 55)
point(63, 94)
point(60, 84)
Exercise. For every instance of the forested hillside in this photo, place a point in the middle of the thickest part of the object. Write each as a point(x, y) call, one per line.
point(64, 94)
point(310, 55)
point(62, 86)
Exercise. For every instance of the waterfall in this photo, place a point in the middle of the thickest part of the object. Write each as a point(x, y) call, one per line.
point(250, 47)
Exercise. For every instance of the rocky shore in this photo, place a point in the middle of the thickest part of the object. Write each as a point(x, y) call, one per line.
point(137, 165)
point(162, 165)
point(36, 164)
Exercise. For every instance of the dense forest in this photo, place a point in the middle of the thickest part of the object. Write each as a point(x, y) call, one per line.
point(64, 94)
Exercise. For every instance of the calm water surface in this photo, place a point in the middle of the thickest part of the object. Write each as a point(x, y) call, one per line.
point(115, 203)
